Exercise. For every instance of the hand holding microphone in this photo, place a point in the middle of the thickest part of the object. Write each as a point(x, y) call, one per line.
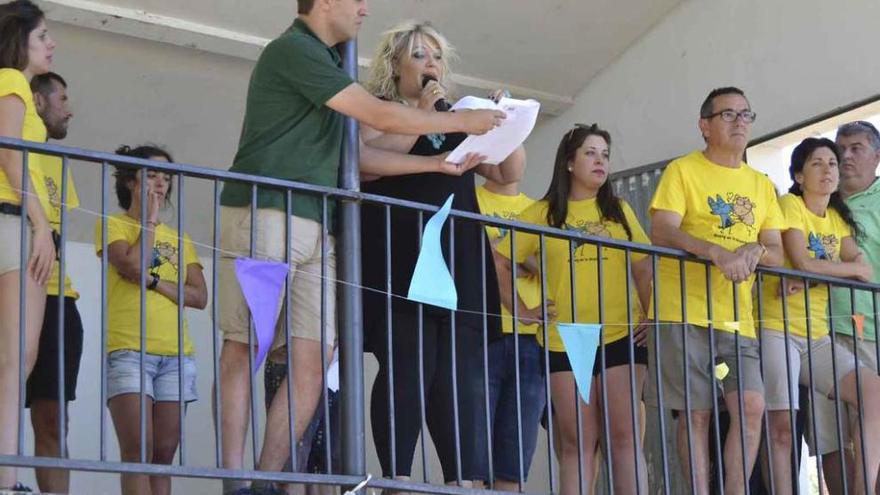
point(472, 121)
point(433, 95)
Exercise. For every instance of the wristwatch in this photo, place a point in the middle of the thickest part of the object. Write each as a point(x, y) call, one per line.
point(154, 282)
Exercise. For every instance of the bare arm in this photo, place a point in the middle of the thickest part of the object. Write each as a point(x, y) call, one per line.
point(126, 258)
point(400, 143)
point(508, 171)
point(377, 162)
point(850, 266)
point(42, 255)
point(643, 275)
point(390, 117)
point(195, 291)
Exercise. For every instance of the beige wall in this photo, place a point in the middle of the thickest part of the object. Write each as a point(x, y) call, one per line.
point(794, 58)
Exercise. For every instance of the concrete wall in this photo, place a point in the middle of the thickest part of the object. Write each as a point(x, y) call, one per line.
point(794, 58)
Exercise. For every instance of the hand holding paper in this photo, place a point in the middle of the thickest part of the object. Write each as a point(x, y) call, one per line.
point(500, 142)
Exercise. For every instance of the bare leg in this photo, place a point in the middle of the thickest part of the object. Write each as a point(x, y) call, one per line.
point(125, 411)
point(47, 443)
point(308, 384)
point(779, 423)
point(832, 473)
point(625, 448)
point(166, 437)
point(870, 398)
point(235, 402)
point(566, 405)
point(9, 357)
point(753, 407)
point(700, 420)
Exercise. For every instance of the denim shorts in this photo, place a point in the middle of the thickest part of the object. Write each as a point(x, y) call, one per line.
point(161, 384)
point(503, 405)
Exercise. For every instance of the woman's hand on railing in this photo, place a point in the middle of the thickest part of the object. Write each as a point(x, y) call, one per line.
point(864, 270)
point(42, 254)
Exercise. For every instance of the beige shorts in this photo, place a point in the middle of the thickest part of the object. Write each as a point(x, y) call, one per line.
point(826, 415)
point(773, 355)
point(305, 285)
point(701, 371)
point(10, 253)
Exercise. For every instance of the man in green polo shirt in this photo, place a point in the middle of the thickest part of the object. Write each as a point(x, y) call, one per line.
point(859, 144)
point(297, 99)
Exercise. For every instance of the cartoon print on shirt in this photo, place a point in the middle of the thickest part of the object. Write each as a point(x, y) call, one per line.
point(735, 210)
point(823, 247)
point(164, 252)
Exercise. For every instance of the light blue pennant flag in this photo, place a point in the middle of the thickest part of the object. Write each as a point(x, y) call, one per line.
point(431, 281)
point(581, 341)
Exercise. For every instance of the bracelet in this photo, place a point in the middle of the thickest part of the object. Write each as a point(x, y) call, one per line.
point(154, 282)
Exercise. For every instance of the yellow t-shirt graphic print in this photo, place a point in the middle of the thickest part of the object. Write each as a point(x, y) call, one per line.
point(823, 236)
point(584, 216)
point(123, 297)
point(725, 206)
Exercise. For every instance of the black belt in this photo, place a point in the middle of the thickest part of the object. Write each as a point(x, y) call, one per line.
point(10, 209)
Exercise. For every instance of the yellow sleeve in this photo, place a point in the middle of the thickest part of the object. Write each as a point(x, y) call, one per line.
point(526, 244)
point(638, 233)
point(792, 212)
point(190, 256)
point(13, 82)
point(670, 191)
point(118, 229)
point(775, 220)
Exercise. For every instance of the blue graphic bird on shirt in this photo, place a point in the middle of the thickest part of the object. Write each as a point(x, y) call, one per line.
point(818, 247)
point(723, 209)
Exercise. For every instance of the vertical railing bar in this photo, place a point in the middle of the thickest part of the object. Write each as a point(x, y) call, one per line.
point(489, 433)
point(421, 360)
point(389, 328)
point(516, 369)
point(812, 392)
point(62, 297)
point(105, 265)
point(716, 422)
point(606, 433)
point(790, 391)
point(655, 300)
point(22, 301)
point(546, 352)
point(453, 343)
point(577, 403)
point(740, 400)
point(637, 443)
point(288, 358)
point(181, 307)
point(837, 412)
point(325, 247)
point(759, 280)
point(252, 253)
point(143, 314)
point(859, 405)
point(215, 335)
point(687, 379)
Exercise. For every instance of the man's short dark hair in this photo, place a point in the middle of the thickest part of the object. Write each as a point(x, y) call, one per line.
point(43, 83)
point(861, 127)
point(708, 107)
point(304, 6)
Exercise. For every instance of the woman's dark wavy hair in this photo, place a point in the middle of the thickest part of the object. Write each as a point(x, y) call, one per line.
point(560, 185)
point(125, 175)
point(799, 157)
point(17, 20)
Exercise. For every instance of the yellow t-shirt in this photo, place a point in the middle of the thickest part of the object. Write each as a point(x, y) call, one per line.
point(123, 297)
point(528, 287)
point(583, 216)
point(725, 206)
point(823, 237)
point(45, 171)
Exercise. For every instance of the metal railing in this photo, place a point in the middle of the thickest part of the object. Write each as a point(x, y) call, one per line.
point(351, 358)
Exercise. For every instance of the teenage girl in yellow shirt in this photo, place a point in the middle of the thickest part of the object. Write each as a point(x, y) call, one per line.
point(25, 51)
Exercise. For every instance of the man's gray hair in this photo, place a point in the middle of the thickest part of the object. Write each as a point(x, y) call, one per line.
point(861, 127)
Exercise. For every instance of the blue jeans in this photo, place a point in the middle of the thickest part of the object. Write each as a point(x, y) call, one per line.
point(503, 402)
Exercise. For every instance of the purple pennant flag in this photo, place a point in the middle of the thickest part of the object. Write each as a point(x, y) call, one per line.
point(261, 283)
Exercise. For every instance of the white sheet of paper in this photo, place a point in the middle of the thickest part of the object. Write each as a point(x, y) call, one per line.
point(500, 142)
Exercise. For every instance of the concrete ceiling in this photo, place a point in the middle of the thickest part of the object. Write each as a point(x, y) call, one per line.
point(543, 49)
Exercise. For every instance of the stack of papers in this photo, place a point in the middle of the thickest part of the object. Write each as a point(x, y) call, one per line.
point(500, 142)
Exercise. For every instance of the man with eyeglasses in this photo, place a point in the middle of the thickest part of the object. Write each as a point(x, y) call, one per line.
point(859, 144)
point(711, 204)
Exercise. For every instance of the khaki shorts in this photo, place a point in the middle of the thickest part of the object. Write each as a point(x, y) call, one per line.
point(305, 284)
point(826, 416)
point(10, 253)
point(701, 370)
point(773, 355)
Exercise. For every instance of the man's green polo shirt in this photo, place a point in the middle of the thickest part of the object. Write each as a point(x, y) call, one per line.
point(866, 211)
point(288, 131)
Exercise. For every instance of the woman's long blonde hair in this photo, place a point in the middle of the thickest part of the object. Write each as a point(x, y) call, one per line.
point(395, 43)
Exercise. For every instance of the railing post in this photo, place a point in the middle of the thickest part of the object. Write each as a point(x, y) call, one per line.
point(351, 341)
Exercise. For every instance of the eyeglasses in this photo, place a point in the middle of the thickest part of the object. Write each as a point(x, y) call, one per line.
point(730, 115)
point(576, 127)
point(867, 126)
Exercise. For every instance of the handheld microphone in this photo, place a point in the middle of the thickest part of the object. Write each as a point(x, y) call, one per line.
point(440, 105)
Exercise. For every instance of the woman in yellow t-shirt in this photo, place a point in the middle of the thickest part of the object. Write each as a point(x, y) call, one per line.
point(581, 198)
point(819, 239)
point(162, 360)
point(26, 51)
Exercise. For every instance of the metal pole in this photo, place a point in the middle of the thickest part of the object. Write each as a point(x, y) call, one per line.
point(351, 340)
